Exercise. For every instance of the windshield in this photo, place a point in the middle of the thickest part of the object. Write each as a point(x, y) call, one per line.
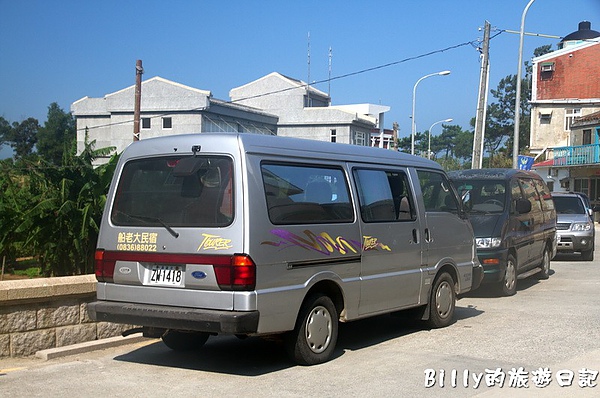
point(175, 191)
point(482, 196)
point(568, 205)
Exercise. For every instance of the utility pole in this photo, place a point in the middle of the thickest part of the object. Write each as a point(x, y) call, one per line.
point(518, 92)
point(138, 99)
point(477, 158)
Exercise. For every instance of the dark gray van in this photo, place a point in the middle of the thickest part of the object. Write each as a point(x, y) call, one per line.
point(514, 220)
point(254, 235)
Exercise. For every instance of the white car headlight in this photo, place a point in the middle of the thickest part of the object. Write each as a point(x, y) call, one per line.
point(581, 226)
point(488, 243)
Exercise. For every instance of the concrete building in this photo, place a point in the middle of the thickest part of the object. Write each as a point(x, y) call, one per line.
point(305, 112)
point(274, 104)
point(565, 108)
point(565, 85)
point(167, 108)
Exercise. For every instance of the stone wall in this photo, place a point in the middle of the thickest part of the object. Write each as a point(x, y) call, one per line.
point(37, 314)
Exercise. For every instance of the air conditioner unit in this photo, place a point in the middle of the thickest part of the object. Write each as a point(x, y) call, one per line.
point(547, 67)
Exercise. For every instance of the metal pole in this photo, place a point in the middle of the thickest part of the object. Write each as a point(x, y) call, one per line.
point(518, 93)
point(138, 99)
point(413, 125)
point(430, 128)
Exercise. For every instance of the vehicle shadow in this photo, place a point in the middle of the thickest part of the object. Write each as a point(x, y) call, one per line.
point(567, 257)
point(256, 356)
point(492, 290)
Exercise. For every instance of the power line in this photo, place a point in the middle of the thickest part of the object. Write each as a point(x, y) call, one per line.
point(307, 85)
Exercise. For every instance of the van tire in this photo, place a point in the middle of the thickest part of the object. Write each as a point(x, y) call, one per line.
point(442, 302)
point(314, 338)
point(545, 266)
point(183, 340)
point(508, 286)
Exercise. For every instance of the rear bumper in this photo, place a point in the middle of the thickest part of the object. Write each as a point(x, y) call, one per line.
point(201, 320)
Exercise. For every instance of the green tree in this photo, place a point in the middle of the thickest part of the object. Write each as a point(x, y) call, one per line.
point(499, 132)
point(22, 136)
point(4, 130)
point(13, 203)
point(60, 225)
point(57, 136)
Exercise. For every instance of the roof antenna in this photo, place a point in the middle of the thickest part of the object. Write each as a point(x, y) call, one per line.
point(329, 79)
point(308, 79)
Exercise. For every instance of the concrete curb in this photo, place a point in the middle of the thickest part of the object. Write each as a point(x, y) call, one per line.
point(88, 346)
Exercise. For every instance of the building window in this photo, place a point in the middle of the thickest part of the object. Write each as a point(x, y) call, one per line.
point(545, 117)
point(570, 115)
point(587, 137)
point(145, 122)
point(167, 123)
point(333, 135)
point(360, 138)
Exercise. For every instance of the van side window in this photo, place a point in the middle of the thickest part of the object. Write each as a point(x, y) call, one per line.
point(437, 192)
point(384, 195)
point(547, 202)
point(300, 194)
point(531, 194)
point(516, 193)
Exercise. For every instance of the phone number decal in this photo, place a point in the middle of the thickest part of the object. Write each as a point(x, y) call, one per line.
point(138, 247)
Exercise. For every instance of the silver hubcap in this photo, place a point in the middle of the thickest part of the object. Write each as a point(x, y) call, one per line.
point(510, 278)
point(443, 299)
point(318, 329)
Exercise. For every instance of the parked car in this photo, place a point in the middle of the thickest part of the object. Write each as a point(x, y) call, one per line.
point(574, 225)
point(514, 220)
point(248, 234)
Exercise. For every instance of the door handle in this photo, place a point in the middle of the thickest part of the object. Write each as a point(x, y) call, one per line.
point(415, 236)
point(428, 237)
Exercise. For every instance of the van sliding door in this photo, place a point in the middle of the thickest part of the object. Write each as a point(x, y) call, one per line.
point(391, 252)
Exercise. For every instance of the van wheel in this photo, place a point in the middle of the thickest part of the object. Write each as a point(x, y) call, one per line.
point(314, 338)
point(183, 340)
point(509, 283)
point(545, 273)
point(442, 301)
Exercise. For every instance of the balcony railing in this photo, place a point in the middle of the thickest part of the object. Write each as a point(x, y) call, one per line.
point(576, 155)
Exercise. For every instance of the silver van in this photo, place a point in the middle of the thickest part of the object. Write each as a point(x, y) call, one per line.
point(257, 235)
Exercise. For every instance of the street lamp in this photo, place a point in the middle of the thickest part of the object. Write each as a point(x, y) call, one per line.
point(412, 143)
point(429, 144)
point(518, 93)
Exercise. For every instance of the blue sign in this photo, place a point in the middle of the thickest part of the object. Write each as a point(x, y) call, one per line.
point(525, 162)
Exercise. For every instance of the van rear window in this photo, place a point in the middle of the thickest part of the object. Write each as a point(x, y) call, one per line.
point(179, 191)
point(298, 194)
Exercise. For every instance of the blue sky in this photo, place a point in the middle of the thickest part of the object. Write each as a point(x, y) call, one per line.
point(61, 51)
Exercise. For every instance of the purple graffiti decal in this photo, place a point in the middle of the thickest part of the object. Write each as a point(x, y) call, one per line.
point(322, 243)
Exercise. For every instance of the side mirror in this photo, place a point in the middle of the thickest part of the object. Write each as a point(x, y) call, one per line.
point(523, 206)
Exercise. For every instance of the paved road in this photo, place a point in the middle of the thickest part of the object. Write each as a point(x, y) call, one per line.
point(548, 324)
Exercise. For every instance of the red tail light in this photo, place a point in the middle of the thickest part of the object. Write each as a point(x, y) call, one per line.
point(239, 274)
point(105, 267)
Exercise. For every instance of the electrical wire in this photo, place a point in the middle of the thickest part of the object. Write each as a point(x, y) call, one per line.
point(305, 85)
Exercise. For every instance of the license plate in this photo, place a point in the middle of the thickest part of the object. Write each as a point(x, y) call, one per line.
point(166, 275)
